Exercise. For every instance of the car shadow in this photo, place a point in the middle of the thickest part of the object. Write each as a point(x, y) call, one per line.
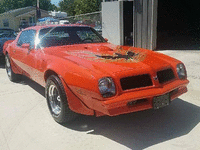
point(143, 129)
point(137, 130)
point(2, 62)
point(38, 88)
point(2, 66)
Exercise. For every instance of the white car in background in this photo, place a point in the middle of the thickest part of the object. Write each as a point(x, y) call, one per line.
point(64, 22)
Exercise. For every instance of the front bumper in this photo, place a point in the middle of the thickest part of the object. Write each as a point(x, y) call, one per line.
point(138, 100)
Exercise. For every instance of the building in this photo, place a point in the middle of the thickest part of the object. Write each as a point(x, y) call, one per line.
point(130, 22)
point(22, 17)
point(152, 24)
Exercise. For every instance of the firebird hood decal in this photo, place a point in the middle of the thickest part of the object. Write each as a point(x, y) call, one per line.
point(116, 55)
point(129, 55)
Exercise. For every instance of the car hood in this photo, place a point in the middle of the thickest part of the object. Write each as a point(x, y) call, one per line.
point(108, 58)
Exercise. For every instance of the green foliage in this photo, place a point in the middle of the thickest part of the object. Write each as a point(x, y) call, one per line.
point(54, 7)
point(77, 7)
point(72, 7)
point(1, 8)
point(7, 5)
point(45, 4)
point(67, 6)
point(86, 6)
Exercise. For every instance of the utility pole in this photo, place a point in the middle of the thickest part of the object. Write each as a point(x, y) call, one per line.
point(38, 3)
point(38, 13)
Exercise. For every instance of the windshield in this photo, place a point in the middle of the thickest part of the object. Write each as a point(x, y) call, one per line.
point(58, 36)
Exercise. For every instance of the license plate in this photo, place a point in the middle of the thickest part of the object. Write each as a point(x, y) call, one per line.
point(161, 101)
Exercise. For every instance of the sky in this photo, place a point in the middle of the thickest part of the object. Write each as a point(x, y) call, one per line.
point(55, 2)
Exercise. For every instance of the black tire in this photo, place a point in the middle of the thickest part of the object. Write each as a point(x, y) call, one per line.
point(11, 75)
point(57, 101)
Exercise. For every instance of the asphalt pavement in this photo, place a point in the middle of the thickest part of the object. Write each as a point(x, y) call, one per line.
point(26, 124)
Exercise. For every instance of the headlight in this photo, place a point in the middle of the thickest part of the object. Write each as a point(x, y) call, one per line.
point(181, 71)
point(106, 87)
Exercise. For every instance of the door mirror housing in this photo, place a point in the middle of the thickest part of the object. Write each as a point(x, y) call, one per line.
point(106, 39)
point(25, 45)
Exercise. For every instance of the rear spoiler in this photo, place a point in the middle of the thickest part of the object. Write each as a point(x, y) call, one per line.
point(5, 45)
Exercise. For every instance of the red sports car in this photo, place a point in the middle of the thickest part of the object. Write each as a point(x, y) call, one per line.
point(84, 74)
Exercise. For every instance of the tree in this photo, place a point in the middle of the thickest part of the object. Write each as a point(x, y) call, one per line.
point(77, 7)
point(54, 7)
point(67, 6)
point(7, 5)
point(86, 6)
point(45, 4)
point(1, 9)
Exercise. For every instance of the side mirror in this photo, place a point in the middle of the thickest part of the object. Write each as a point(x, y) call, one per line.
point(26, 45)
point(106, 39)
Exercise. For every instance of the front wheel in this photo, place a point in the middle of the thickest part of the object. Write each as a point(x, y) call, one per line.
point(11, 75)
point(57, 100)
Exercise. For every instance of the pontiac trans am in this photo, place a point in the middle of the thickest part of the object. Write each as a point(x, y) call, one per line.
point(84, 74)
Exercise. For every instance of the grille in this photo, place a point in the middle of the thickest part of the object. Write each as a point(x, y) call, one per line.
point(165, 75)
point(136, 82)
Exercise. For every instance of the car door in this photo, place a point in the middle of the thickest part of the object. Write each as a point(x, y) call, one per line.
point(25, 57)
point(17, 53)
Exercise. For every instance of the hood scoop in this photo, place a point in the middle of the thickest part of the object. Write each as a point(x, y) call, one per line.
point(104, 48)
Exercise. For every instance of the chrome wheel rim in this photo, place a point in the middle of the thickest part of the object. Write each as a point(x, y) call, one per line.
point(54, 100)
point(8, 67)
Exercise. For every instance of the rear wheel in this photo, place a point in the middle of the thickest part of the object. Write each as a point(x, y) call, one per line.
point(11, 75)
point(57, 100)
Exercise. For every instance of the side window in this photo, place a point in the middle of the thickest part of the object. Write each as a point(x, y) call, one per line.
point(27, 36)
point(88, 35)
point(5, 23)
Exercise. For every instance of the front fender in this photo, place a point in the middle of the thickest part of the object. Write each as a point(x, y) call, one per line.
point(6, 48)
point(74, 75)
point(81, 84)
point(75, 104)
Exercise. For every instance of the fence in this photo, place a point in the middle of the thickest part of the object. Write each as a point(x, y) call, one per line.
point(91, 19)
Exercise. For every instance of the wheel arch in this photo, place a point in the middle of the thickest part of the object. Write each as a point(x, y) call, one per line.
point(75, 104)
point(6, 47)
point(48, 73)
